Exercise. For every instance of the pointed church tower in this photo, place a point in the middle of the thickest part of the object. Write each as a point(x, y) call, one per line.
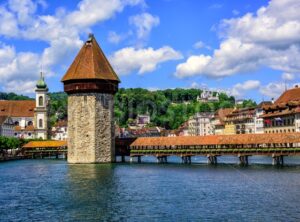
point(41, 119)
point(91, 83)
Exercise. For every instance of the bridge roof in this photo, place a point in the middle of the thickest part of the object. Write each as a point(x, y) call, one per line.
point(242, 139)
point(46, 144)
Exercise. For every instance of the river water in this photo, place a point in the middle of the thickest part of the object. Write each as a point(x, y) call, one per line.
point(52, 190)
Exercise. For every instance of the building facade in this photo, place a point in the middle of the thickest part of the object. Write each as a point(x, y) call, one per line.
point(218, 121)
point(6, 126)
point(30, 117)
point(284, 115)
point(200, 124)
point(60, 130)
point(240, 121)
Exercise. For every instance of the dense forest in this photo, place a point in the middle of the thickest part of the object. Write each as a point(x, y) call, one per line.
point(13, 96)
point(168, 108)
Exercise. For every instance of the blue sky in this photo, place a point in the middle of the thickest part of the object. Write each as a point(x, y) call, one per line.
point(247, 48)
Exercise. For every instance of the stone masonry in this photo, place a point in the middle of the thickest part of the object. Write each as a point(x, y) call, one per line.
point(91, 128)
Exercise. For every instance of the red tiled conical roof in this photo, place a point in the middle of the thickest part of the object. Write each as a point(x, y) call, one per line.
point(90, 63)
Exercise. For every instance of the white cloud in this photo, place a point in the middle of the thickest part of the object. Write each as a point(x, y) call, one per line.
point(240, 88)
point(61, 31)
point(143, 60)
point(268, 38)
point(144, 23)
point(192, 66)
point(273, 90)
point(288, 76)
point(19, 86)
point(113, 37)
point(8, 23)
point(199, 45)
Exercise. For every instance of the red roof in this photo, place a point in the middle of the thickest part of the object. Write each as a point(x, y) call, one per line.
point(218, 139)
point(289, 95)
point(90, 63)
point(21, 108)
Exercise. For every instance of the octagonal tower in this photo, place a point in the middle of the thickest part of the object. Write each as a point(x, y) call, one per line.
point(91, 83)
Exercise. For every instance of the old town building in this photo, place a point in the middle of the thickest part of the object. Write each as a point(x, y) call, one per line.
point(30, 117)
point(60, 130)
point(218, 120)
point(6, 126)
point(283, 115)
point(240, 121)
point(200, 124)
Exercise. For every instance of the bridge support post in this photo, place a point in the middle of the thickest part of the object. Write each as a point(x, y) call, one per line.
point(162, 159)
point(123, 159)
point(139, 159)
point(212, 159)
point(278, 160)
point(186, 159)
point(243, 160)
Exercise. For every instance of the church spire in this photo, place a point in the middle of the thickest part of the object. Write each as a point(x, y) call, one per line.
point(41, 82)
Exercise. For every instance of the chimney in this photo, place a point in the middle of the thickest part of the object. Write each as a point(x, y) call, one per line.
point(272, 100)
point(296, 86)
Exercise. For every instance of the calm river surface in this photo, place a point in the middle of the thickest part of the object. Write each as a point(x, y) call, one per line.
point(52, 190)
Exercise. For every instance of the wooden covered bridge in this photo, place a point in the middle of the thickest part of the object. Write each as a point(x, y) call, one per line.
point(41, 149)
point(242, 145)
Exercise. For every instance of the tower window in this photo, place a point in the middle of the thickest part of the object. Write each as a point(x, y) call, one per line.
point(41, 102)
point(40, 123)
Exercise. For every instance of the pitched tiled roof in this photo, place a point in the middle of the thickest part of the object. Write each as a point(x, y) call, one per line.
point(90, 63)
point(218, 140)
point(40, 144)
point(289, 95)
point(21, 108)
point(2, 119)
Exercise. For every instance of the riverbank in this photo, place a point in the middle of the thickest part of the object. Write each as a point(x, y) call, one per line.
point(10, 158)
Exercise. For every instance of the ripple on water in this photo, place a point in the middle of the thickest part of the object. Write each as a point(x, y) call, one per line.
point(50, 190)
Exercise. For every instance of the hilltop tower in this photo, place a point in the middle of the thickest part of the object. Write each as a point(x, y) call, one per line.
point(41, 119)
point(91, 83)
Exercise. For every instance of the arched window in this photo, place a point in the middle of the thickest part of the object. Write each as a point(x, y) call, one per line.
point(16, 123)
point(40, 123)
point(41, 102)
point(29, 123)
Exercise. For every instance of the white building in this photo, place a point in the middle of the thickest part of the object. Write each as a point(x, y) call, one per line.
point(258, 120)
point(60, 130)
point(200, 124)
point(208, 96)
point(6, 126)
point(142, 120)
point(29, 117)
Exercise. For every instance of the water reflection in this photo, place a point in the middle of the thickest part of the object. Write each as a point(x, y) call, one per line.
point(49, 190)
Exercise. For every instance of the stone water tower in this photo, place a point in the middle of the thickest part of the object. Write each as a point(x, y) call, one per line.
point(91, 83)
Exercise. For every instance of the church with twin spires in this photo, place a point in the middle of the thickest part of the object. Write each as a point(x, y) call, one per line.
point(30, 117)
